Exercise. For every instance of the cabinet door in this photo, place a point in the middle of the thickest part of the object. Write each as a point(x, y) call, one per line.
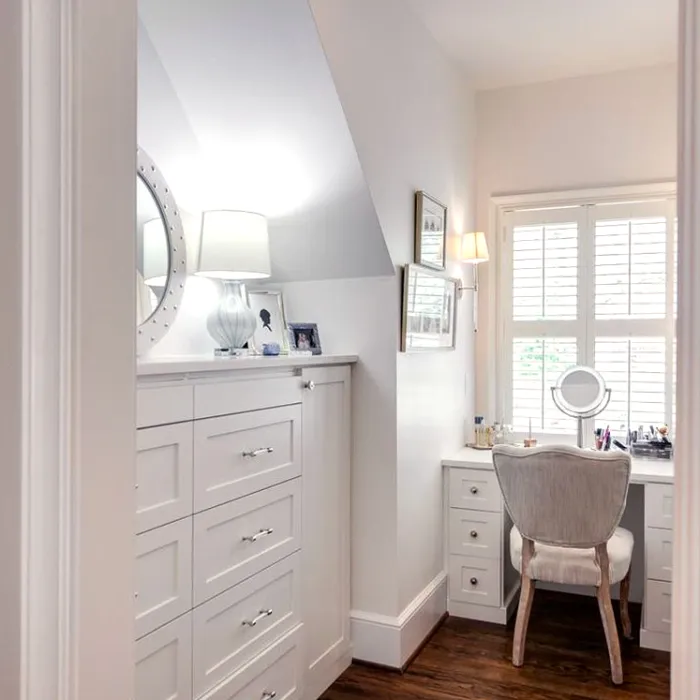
point(164, 663)
point(163, 475)
point(326, 522)
point(244, 453)
point(163, 575)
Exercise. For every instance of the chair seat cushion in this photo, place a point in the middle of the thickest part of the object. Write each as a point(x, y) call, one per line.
point(574, 566)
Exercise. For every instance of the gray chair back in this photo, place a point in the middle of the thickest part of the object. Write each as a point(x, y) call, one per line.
point(563, 495)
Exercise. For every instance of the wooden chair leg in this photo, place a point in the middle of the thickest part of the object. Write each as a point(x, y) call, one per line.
point(624, 606)
point(607, 615)
point(527, 593)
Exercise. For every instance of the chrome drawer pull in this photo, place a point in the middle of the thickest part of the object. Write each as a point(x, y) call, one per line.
point(259, 451)
point(474, 534)
point(474, 581)
point(260, 616)
point(258, 535)
point(474, 490)
point(268, 695)
point(310, 385)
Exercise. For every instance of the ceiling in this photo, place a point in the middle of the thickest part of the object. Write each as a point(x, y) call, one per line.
point(238, 108)
point(502, 43)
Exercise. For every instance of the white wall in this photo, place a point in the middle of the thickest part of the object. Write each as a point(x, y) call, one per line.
point(10, 368)
point(594, 131)
point(411, 116)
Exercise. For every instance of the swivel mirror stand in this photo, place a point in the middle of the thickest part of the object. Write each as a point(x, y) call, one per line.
point(580, 393)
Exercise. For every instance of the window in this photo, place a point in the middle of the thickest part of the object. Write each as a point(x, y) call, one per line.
point(591, 282)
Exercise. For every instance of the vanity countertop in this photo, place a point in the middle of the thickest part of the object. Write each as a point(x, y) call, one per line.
point(188, 365)
point(644, 471)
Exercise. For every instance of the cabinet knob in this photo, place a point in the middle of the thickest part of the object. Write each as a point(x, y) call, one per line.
point(474, 490)
point(309, 385)
point(268, 695)
point(474, 581)
point(474, 534)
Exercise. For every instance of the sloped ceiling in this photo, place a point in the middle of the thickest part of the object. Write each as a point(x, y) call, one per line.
point(238, 107)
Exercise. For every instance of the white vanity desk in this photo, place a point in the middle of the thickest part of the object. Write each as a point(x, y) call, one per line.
point(242, 528)
point(483, 585)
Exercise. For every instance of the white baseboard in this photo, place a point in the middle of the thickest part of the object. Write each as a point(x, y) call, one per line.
point(390, 641)
point(654, 640)
point(484, 613)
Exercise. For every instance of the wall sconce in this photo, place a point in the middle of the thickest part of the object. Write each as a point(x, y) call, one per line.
point(474, 251)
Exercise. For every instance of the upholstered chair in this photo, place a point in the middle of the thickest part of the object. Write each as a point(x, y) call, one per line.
point(566, 504)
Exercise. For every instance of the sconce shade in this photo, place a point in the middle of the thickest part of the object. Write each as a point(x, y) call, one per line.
point(234, 246)
point(474, 248)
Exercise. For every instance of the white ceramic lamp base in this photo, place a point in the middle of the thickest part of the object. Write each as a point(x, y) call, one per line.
point(232, 323)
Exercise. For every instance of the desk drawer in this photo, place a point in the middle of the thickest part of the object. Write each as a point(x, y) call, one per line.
point(657, 607)
point(163, 475)
point(163, 575)
point(237, 455)
point(475, 533)
point(277, 673)
point(658, 505)
point(474, 580)
point(237, 625)
point(164, 663)
point(659, 545)
point(220, 399)
point(475, 489)
point(234, 541)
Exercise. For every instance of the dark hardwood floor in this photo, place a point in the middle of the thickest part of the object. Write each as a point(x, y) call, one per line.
point(565, 659)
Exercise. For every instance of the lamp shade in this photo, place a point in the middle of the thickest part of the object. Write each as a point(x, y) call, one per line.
point(234, 246)
point(474, 248)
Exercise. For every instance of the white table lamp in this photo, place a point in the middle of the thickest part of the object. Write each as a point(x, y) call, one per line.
point(234, 246)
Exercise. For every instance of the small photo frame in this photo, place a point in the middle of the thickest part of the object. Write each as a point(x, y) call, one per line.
point(268, 307)
point(429, 318)
point(431, 228)
point(303, 337)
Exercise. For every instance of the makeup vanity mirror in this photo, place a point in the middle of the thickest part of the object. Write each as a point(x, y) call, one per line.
point(580, 392)
point(161, 259)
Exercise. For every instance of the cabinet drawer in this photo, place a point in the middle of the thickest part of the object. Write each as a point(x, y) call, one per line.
point(659, 545)
point(234, 541)
point(475, 533)
point(162, 405)
point(237, 625)
point(163, 475)
point(658, 505)
point(277, 673)
point(219, 399)
point(475, 489)
point(164, 663)
point(247, 452)
point(657, 607)
point(474, 580)
point(163, 575)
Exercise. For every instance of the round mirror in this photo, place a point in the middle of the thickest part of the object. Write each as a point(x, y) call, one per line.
point(152, 252)
point(581, 389)
point(161, 259)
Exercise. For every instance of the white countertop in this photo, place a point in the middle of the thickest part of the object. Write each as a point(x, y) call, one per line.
point(186, 365)
point(644, 471)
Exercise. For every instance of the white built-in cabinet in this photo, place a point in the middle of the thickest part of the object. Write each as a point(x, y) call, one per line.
point(242, 504)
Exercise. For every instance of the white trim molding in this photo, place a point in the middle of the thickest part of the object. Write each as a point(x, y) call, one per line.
point(74, 94)
point(685, 630)
point(391, 641)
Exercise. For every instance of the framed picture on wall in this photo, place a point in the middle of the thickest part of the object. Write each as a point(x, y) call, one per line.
point(429, 318)
point(431, 227)
point(268, 307)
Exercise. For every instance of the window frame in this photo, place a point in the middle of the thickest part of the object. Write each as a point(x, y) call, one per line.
point(501, 306)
